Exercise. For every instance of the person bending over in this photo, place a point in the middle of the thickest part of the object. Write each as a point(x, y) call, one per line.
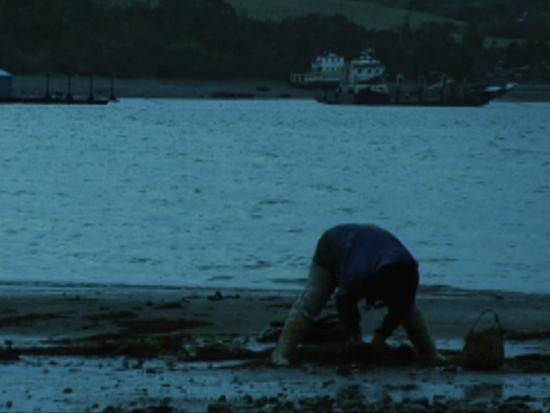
point(360, 261)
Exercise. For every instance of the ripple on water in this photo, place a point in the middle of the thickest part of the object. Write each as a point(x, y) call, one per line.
point(224, 189)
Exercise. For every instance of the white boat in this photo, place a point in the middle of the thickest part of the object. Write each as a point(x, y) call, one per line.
point(327, 72)
point(364, 81)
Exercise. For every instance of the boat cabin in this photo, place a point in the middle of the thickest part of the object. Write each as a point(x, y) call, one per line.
point(330, 62)
point(326, 71)
point(366, 69)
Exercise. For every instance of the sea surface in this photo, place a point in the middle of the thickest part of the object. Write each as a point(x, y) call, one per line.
point(236, 193)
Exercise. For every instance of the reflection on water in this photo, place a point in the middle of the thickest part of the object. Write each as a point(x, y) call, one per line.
point(231, 192)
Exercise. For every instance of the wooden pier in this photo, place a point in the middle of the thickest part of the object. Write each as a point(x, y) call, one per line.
point(63, 99)
point(53, 101)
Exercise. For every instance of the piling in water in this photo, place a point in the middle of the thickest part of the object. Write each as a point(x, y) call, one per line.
point(91, 96)
point(69, 88)
point(113, 97)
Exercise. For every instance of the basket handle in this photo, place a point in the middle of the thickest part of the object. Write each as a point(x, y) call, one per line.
point(489, 310)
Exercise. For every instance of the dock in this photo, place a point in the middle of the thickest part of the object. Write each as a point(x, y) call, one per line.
point(63, 98)
point(53, 101)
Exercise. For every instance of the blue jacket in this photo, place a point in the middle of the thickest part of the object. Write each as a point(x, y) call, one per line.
point(361, 250)
point(372, 264)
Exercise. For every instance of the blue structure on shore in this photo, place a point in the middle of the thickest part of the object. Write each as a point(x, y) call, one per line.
point(6, 84)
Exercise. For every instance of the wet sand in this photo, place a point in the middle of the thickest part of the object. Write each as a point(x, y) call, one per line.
point(119, 348)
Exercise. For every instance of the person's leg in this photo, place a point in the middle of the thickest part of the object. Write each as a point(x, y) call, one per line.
point(396, 287)
point(404, 299)
point(418, 333)
point(320, 285)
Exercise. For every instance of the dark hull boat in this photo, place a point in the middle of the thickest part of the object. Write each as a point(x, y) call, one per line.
point(395, 96)
point(363, 83)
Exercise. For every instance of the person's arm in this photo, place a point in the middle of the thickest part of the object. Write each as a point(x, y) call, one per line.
point(395, 316)
point(400, 306)
point(346, 304)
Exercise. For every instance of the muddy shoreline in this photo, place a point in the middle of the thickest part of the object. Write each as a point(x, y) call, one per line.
point(118, 348)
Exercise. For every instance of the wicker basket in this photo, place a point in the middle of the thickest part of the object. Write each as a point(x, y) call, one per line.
point(484, 348)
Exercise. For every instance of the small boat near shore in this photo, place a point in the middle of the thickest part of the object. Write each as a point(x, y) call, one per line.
point(414, 96)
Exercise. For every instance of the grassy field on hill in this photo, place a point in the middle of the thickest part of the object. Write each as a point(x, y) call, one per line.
point(368, 15)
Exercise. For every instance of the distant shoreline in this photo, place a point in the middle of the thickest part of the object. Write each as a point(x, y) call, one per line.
point(425, 289)
point(162, 88)
point(200, 89)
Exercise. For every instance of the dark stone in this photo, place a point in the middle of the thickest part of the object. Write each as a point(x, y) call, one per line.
point(262, 401)
point(216, 297)
point(424, 401)
point(344, 370)
point(220, 407)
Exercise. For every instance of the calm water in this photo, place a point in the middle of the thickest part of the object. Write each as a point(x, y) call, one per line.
point(217, 193)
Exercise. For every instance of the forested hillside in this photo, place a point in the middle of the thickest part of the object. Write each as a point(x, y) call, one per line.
point(209, 39)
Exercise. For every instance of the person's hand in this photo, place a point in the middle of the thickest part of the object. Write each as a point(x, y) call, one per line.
point(279, 359)
point(379, 344)
point(354, 340)
point(436, 359)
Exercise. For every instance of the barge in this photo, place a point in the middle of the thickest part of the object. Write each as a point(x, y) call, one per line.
point(58, 98)
point(53, 101)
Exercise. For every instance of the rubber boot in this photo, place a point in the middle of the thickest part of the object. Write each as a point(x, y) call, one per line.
point(294, 330)
point(420, 337)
